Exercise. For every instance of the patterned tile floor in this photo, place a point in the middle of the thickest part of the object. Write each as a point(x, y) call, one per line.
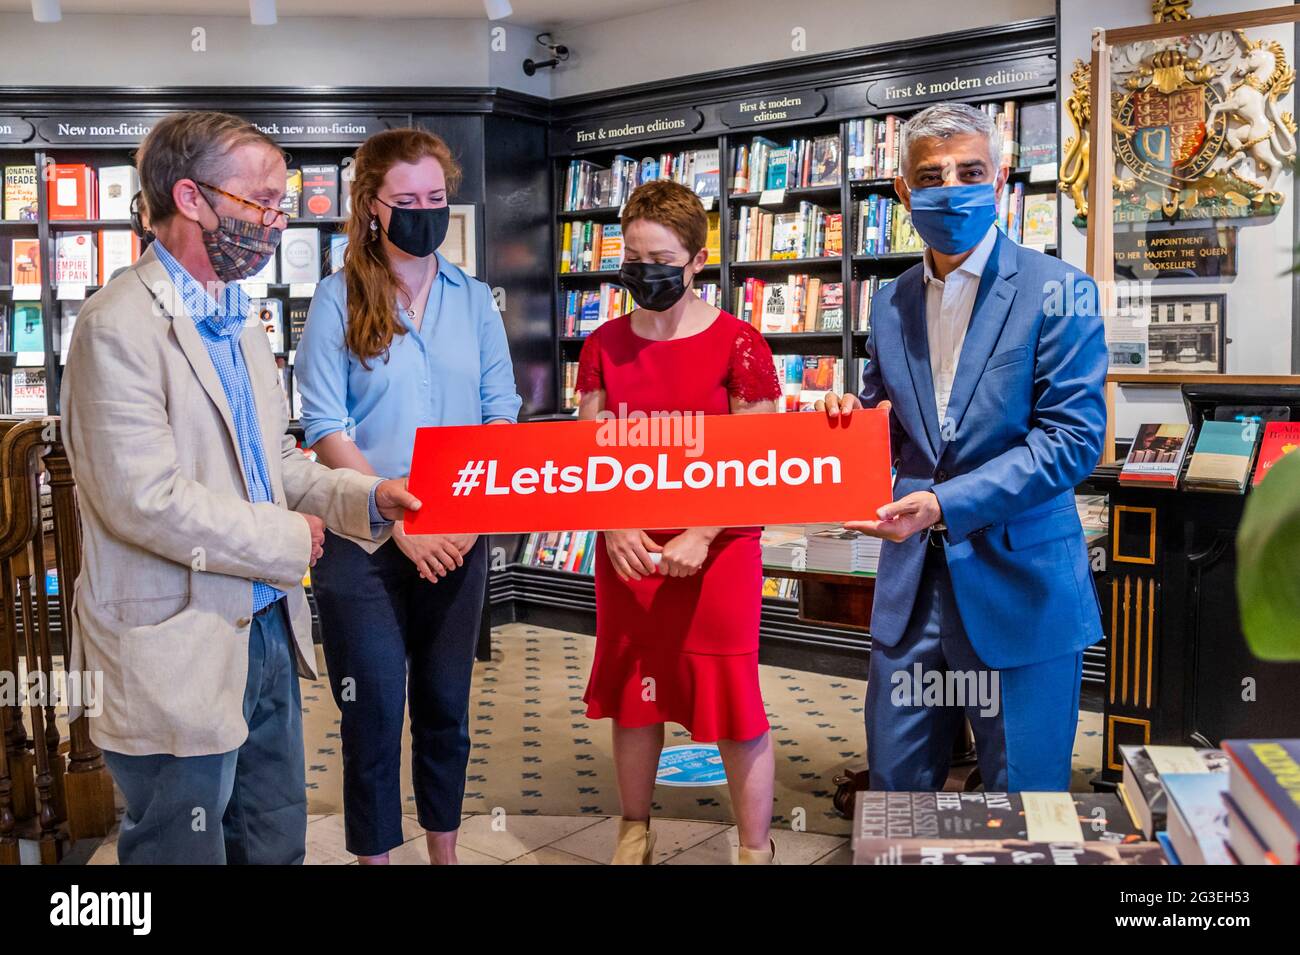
point(544, 773)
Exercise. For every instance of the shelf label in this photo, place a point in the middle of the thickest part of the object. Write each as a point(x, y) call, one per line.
point(255, 289)
point(69, 292)
point(302, 289)
point(771, 197)
point(706, 201)
point(628, 129)
point(29, 359)
point(13, 129)
point(1043, 172)
point(775, 108)
point(976, 80)
point(27, 293)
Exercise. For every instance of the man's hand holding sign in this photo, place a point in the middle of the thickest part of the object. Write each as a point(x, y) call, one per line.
point(897, 520)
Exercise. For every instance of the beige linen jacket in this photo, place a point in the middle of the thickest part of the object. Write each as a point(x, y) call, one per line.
point(171, 544)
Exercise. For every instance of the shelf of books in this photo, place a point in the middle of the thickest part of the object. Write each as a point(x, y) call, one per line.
point(797, 215)
point(65, 233)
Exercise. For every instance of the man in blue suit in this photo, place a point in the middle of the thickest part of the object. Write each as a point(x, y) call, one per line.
point(992, 360)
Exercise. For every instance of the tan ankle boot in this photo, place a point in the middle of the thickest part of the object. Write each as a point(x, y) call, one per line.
point(757, 856)
point(636, 843)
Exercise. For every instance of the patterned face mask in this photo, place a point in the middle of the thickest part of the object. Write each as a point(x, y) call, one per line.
point(238, 248)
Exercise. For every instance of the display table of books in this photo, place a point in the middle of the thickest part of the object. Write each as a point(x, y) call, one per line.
point(835, 570)
point(1178, 669)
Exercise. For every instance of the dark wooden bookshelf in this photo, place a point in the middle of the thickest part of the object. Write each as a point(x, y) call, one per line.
point(841, 80)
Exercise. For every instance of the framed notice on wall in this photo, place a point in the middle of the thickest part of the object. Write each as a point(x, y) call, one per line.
point(1185, 334)
point(460, 245)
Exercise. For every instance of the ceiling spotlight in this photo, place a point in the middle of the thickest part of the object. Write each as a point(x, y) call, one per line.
point(46, 11)
point(497, 9)
point(262, 12)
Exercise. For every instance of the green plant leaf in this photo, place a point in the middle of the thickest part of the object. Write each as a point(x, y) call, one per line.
point(1268, 563)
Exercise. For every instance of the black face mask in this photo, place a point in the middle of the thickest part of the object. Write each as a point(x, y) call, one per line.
point(417, 232)
point(653, 286)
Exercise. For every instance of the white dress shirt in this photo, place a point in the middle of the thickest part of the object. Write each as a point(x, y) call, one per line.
point(948, 305)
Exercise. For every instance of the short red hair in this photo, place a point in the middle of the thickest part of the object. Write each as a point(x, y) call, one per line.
point(674, 207)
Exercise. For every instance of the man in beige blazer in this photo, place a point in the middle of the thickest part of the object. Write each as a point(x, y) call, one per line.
point(199, 514)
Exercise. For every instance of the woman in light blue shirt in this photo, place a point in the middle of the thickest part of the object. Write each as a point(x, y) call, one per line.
point(396, 340)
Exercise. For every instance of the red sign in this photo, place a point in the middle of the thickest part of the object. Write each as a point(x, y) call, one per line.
point(658, 472)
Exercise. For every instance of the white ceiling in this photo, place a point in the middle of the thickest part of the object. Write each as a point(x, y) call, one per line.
point(525, 11)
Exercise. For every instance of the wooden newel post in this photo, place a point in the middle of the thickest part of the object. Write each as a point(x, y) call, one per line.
point(88, 784)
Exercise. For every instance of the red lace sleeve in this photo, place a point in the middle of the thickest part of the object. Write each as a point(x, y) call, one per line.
point(752, 376)
point(589, 377)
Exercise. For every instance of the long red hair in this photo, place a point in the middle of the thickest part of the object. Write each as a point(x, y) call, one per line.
point(372, 285)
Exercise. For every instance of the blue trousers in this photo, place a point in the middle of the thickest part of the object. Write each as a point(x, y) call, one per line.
point(244, 807)
point(1023, 718)
point(387, 634)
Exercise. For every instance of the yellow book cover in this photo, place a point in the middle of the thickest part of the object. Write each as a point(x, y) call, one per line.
point(565, 263)
point(714, 241)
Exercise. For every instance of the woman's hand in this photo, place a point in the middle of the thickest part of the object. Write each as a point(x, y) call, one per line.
point(629, 552)
point(434, 555)
point(685, 554)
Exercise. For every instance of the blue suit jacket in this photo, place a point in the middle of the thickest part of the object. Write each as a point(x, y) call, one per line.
point(1026, 421)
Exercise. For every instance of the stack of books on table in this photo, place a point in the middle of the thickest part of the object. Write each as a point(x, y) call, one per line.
point(992, 828)
point(1263, 801)
point(785, 546)
point(843, 551)
point(1239, 805)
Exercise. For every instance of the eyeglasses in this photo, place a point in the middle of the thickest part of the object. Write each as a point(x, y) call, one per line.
point(269, 215)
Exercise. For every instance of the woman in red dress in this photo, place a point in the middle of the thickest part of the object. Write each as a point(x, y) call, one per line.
point(677, 611)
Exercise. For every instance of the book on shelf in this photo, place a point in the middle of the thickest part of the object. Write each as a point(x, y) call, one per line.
point(118, 249)
point(1037, 133)
point(300, 255)
point(585, 310)
point(1038, 220)
point(27, 392)
point(70, 191)
point(713, 240)
point(320, 191)
point(1280, 439)
point(297, 321)
point(268, 273)
point(569, 372)
point(1264, 783)
point(270, 314)
point(1197, 821)
point(1011, 210)
point(20, 199)
point(29, 328)
point(830, 314)
point(805, 379)
point(338, 250)
point(884, 227)
point(864, 290)
point(611, 247)
point(706, 174)
point(1144, 766)
point(591, 246)
point(25, 262)
point(873, 147)
point(1224, 453)
point(763, 164)
point(780, 588)
point(67, 324)
point(763, 236)
point(572, 551)
point(117, 185)
point(291, 204)
point(785, 546)
point(1156, 457)
point(75, 259)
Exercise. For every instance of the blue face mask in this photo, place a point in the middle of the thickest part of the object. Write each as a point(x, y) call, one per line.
point(952, 219)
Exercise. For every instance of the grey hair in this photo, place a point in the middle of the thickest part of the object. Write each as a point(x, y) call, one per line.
point(949, 119)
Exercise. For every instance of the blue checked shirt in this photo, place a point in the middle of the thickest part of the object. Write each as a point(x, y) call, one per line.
point(219, 324)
